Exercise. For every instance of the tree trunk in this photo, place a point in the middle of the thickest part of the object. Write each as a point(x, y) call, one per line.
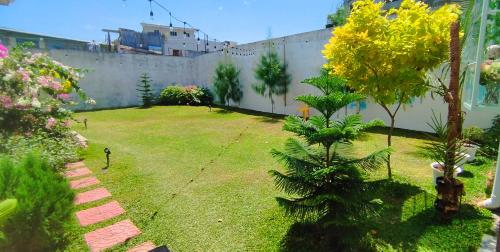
point(392, 115)
point(454, 101)
point(389, 144)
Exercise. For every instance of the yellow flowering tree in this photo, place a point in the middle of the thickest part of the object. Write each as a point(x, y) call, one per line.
point(385, 54)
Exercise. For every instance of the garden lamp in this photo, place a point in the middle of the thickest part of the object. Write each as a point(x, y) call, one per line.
point(108, 152)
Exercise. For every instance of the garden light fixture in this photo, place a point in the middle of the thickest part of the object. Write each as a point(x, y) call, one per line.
point(107, 151)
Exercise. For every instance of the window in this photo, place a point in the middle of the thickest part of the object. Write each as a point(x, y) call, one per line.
point(188, 35)
point(173, 33)
point(157, 31)
point(177, 53)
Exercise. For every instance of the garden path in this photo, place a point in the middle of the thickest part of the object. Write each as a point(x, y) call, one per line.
point(100, 239)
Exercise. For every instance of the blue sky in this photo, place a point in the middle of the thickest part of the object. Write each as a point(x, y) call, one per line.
point(237, 20)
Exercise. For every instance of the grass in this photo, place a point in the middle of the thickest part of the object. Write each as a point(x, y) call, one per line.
point(196, 180)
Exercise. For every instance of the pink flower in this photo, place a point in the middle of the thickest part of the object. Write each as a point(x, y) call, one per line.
point(44, 81)
point(67, 123)
point(51, 122)
point(63, 97)
point(4, 52)
point(25, 75)
point(6, 102)
point(55, 85)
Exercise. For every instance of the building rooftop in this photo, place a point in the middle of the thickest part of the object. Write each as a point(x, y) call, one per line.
point(38, 34)
point(166, 26)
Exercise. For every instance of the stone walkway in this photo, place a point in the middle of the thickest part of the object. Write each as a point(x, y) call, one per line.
point(107, 237)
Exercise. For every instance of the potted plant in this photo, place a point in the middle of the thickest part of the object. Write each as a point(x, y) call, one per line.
point(490, 80)
point(436, 150)
point(471, 136)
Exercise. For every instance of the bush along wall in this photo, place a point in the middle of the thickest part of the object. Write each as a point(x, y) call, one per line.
point(189, 95)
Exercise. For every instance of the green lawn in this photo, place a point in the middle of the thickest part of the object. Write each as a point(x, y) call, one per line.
point(197, 181)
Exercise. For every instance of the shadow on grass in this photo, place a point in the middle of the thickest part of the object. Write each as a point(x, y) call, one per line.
point(466, 174)
point(401, 133)
point(406, 220)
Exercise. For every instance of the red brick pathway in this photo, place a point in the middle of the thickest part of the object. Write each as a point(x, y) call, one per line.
point(101, 213)
point(75, 165)
point(77, 172)
point(84, 182)
point(92, 195)
point(107, 237)
point(110, 236)
point(145, 247)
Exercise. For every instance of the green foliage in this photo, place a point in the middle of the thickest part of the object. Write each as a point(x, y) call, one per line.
point(473, 134)
point(492, 138)
point(322, 181)
point(493, 26)
point(438, 147)
point(338, 18)
point(190, 95)
point(45, 204)
point(227, 83)
point(272, 76)
point(7, 208)
point(56, 149)
point(145, 91)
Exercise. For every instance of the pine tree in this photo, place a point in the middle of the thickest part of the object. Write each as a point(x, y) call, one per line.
point(322, 182)
point(145, 91)
point(273, 77)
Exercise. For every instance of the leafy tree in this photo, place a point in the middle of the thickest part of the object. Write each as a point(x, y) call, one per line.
point(273, 76)
point(324, 182)
point(386, 54)
point(145, 91)
point(227, 83)
point(338, 18)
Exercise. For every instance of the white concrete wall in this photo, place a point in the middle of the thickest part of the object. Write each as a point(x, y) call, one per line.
point(113, 78)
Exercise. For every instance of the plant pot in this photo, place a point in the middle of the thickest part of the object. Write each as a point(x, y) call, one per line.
point(465, 157)
point(438, 172)
point(470, 149)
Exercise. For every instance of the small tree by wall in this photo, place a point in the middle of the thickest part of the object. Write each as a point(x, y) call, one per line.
point(386, 54)
point(145, 91)
point(272, 76)
point(227, 83)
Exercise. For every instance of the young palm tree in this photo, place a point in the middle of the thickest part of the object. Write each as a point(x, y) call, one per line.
point(323, 182)
point(272, 76)
point(227, 83)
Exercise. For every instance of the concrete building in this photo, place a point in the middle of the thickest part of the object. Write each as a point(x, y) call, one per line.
point(175, 41)
point(6, 2)
point(11, 38)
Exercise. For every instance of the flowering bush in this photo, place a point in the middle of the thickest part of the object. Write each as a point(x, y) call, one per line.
point(34, 91)
point(189, 95)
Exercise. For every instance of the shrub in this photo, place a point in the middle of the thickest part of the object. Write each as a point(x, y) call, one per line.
point(491, 138)
point(34, 91)
point(45, 205)
point(473, 134)
point(190, 95)
point(57, 150)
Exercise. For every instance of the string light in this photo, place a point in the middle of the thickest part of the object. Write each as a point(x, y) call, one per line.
point(150, 9)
